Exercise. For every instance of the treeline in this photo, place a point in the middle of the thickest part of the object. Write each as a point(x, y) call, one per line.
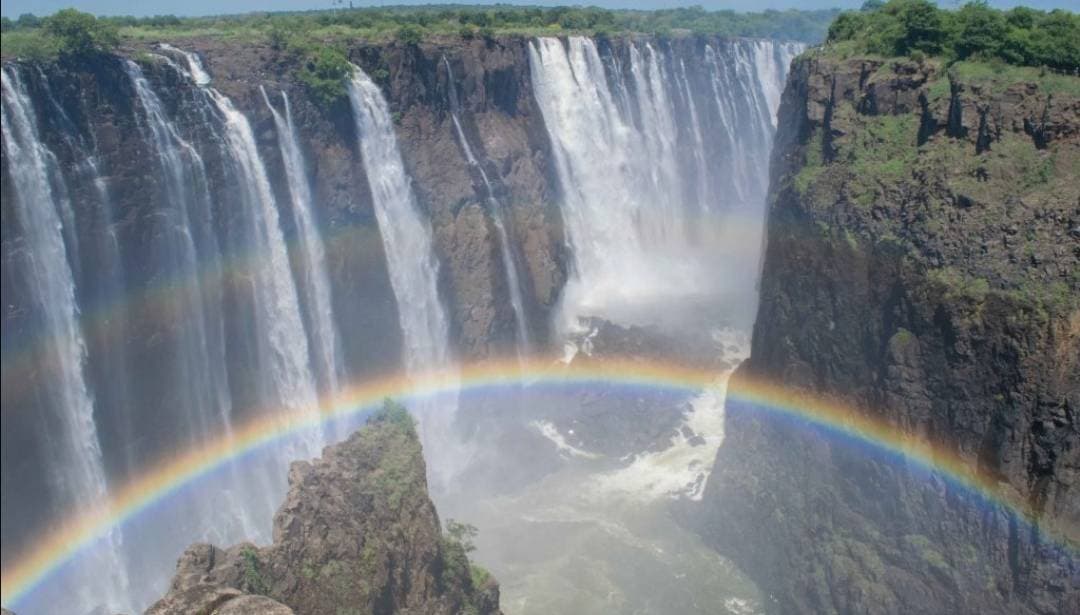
point(806, 26)
point(1021, 36)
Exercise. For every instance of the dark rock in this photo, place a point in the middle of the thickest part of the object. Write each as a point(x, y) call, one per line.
point(930, 317)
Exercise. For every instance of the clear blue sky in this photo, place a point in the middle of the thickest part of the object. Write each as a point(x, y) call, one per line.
point(13, 8)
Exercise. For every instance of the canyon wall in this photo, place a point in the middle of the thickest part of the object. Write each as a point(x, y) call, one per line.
point(205, 235)
point(922, 259)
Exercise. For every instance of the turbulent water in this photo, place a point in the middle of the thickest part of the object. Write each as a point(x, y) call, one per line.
point(217, 307)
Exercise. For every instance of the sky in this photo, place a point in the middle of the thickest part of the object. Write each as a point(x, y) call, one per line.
point(13, 8)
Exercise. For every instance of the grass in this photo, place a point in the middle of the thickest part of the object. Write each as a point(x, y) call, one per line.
point(957, 285)
point(998, 76)
point(812, 166)
point(880, 153)
point(32, 45)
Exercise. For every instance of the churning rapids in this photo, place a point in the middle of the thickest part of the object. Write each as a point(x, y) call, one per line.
point(660, 158)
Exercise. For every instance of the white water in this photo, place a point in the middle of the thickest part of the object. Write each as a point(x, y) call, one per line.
point(281, 359)
point(286, 373)
point(195, 68)
point(660, 216)
point(414, 272)
point(618, 181)
point(204, 399)
point(203, 362)
point(75, 471)
point(513, 281)
point(655, 174)
point(315, 283)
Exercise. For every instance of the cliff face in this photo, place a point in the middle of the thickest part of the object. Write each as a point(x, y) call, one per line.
point(922, 253)
point(357, 533)
point(504, 129)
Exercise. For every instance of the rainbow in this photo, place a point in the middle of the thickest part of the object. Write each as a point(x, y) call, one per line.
point(32, 568)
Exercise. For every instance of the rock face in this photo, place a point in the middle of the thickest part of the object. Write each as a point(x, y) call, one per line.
point(357, 534)
point(921, 264)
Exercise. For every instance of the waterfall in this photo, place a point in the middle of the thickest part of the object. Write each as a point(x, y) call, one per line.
point(75, 468)
point(188, 250)
point(660, 214)
point(315, 283)
point(275, 352)
point(282, 357)
point(495, 207)
point(414, 270)
point(201, 365)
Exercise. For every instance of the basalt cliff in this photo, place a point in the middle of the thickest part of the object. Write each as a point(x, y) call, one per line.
point(922, 259)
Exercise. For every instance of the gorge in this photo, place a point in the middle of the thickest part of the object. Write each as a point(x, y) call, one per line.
point(212, 276)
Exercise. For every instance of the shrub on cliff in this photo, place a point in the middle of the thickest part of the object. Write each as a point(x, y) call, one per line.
point(410, 34)
point(81, 34)
point(325, 73)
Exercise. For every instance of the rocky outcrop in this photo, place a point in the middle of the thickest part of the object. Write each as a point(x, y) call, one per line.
point(357, 533)
point(921, 265)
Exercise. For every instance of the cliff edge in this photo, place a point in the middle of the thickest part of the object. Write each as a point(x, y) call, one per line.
point(922, 264)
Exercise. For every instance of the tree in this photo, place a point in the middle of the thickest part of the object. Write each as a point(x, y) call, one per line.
point(922, 28)
point(980, 30)
point(81, 34)
point(28, 20)
point(462, 533)
point(410, 34)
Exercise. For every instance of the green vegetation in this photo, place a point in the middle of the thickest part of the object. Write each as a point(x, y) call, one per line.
point(66, 34)
point(999, 75)
point(394, 413)
point(812, 166)
point(883, 151)
point(455, 545)
point(325, 73)
point(399, 477)
point(958, 286)
point(31, 36)
point(1020, 36)
point(253, 579)
point(462, 533)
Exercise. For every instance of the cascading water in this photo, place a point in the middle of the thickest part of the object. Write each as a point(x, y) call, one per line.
point(513, 281)
point(318, 311)
point(414, 271)
point(188, 250)
point(665, 220)
point(74, 465)
point(201, 366)
point(655, 147)
point(280, 362)
point(644, 196)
